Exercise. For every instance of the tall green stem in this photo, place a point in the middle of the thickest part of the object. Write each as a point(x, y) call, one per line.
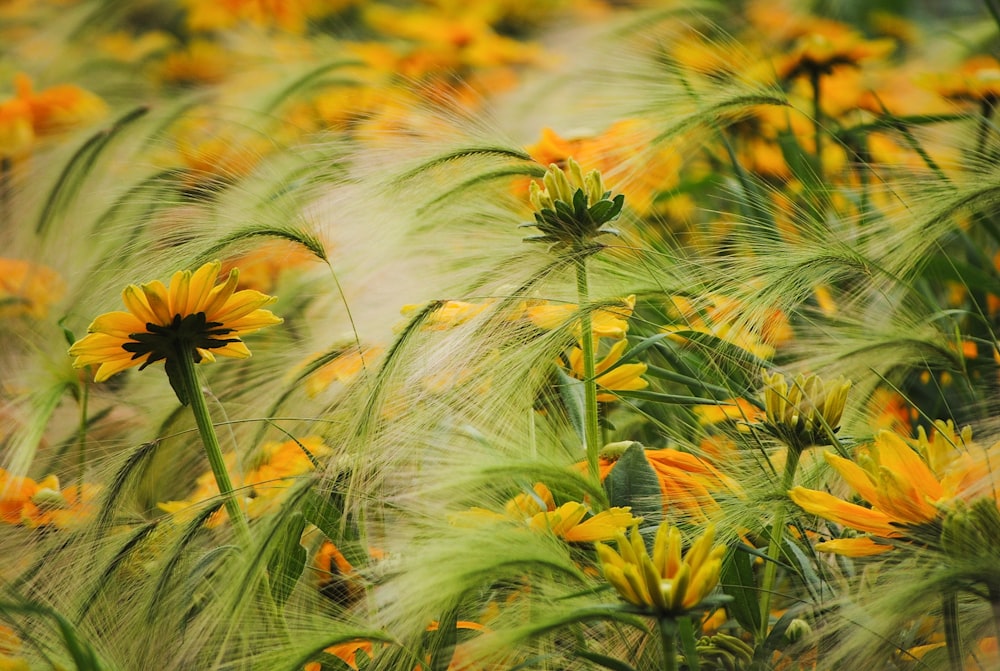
point(952, 631)
point(592, 429)
point(774, 546)
point(213, 451)
point(668, 637)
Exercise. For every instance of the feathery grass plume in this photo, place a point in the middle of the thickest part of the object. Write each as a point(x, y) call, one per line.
point(426, 507)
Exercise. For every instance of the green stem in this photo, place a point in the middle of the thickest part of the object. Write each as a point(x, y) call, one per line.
point(668, 637)
point(189, 377)
point(592, 430)
point(952, 631)
point(774, 546)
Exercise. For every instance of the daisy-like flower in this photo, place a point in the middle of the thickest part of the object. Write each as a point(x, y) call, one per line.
point(611, 376)
point(537, 509)
point(909, 491)
point(193, 317)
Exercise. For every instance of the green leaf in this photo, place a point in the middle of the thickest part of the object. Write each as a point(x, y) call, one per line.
point(737, 581)
point(685, 630)
point(633, 482)
point(573, 396)
point(668, 399)
point(285, 566)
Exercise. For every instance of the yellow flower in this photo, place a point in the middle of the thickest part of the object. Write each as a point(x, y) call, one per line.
point(828, 46)
point(909, 490)
point(626, 377)
point(803, 412)
point(192, 317)
point(571, 208)
point(607, 322)
point(567, 522)
point(664, 583)
point(537, 510)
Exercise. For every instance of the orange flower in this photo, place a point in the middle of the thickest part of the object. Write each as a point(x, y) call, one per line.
point(977, 80)
point(265, 485)
point(345, 651)
point(906, 488)
point(686, 481)
point(29, 115)
point(825, 48)
point(43, 503)
point(27, 288)
point(59, 107)
point(17, 134)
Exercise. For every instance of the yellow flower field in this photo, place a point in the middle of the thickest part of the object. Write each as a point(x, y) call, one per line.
point(475, 336)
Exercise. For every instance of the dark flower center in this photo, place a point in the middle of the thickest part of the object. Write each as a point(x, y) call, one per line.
point(184, 336)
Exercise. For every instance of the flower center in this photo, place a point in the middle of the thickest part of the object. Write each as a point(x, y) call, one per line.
point(183, 335)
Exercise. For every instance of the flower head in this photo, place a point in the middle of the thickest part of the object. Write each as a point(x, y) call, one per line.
point(572, 521)
point(910, 491)
point(571, 208)
point(665, 583)
point(804, 412)
point(193, 317)
point(611, 375)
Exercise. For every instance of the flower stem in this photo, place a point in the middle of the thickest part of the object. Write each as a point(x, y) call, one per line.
point(952, 631)
point(668, 637)
point(774, 546)
point(189, 377)
point(592, 430)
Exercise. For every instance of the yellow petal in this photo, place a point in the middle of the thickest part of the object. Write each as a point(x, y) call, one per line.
point(220, 295)
point(831, 508)
point(177, 300)
point(602, 526)
point(158, 300)
point(136, 303)
point(857, 477)
point(201, 284)
point(900, 458)
point(853, 547)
